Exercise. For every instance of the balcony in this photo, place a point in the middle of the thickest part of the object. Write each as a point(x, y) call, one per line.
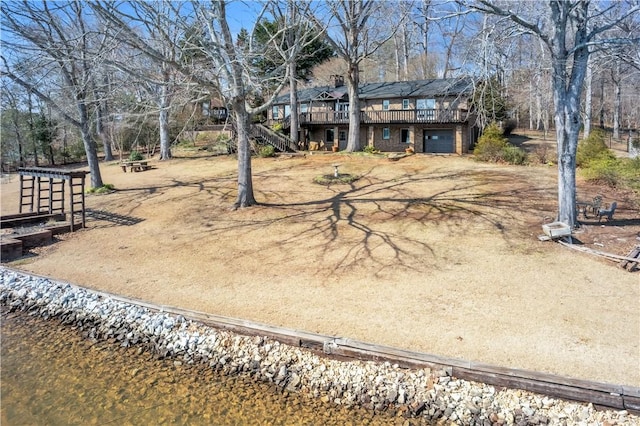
point(387, 117)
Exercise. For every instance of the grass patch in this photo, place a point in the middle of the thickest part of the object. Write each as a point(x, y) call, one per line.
point(104, 189)
point(342, 178)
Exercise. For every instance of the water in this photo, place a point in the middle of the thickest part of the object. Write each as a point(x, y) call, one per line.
point(52, 376)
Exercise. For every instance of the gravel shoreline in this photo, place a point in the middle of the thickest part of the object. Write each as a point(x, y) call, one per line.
point(420, 393)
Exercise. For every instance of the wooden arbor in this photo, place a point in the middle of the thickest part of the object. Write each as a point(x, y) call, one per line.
point(42, 191)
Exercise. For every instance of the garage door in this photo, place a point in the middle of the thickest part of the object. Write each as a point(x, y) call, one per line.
point(439, 141)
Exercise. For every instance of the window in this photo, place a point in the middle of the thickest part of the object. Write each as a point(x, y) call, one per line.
point(405, 104)
point(287, 110)
point(386, 133)
point(205, 109)
point(274, 112)
point(329, 135)
point(426, 109)
point(404, 136)
point(343, 109)
point(303, 108)
point(342, 135)
point(426, 104)
point(385, 105)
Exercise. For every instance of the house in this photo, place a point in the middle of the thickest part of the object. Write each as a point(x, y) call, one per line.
point(212, 111)
point(427, 115)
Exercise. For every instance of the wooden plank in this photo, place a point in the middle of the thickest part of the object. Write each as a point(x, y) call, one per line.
point(631, 403)
point(633, 254)
point(555, 389)
point(597, 252)
point(34, 239)
point(10, 249)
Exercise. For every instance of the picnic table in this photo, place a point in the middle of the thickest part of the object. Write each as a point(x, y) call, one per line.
point(135, 166)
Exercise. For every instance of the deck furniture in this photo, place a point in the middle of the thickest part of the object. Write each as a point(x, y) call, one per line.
point(135, 166)
point(608, 213)
point(593, 206)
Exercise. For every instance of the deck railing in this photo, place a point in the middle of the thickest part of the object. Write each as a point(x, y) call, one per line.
point(387, 117)
point(278, 141)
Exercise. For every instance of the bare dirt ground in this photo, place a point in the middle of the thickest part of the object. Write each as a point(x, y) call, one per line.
point(437, 254)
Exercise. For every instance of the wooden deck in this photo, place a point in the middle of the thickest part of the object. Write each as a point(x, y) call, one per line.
point(426, 116)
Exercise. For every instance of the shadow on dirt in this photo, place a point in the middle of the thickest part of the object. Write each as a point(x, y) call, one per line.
point(112, 218)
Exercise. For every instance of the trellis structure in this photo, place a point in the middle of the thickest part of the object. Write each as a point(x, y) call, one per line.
point(42, 191)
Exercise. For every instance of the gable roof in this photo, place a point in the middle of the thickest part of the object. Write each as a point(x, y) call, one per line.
point(416, 88)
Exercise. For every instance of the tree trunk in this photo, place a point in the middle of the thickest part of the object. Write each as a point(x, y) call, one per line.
point(245, 183)
point(89, 146)
point(617, 101)
point(106, 145)
point(601, 112)
point(567, 84)
point(293, 102)
point(163, 119)
point(588, 101)
point(353, 143)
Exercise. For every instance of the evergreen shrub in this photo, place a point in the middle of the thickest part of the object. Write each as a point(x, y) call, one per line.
point(593, 148)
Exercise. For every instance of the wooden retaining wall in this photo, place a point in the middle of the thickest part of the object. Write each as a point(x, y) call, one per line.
point(604, 395)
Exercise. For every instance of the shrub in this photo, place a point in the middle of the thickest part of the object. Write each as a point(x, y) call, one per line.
point(277, 127)
point(267, 151)
point(135, 156)
point(370, 150)
point(593, 148)
point(490, 144)
point(603, 170)
point(542, 154)
point(514, 155)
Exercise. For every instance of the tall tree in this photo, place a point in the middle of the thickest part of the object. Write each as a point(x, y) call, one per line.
point(569, 29)
point(302, 40)
point(14, 124)
point(153, 29)
point(212, 58)
point(362, 28)
point(55, 39)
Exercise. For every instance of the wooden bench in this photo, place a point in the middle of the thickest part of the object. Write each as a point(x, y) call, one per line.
point(135, 166)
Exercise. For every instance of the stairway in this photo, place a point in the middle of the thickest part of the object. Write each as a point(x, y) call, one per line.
point(280, 142)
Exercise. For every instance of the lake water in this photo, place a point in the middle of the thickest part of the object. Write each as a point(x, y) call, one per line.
point(52, 376)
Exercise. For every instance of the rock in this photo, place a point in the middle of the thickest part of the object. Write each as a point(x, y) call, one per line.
point(433, 395)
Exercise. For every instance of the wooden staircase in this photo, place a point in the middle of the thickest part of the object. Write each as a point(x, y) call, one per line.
point(280, 142)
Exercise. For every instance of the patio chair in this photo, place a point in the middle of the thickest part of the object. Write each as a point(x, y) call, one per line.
point(596, 204)
point(608, 213)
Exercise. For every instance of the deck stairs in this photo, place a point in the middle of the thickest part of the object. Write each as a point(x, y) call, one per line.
point(280, 142)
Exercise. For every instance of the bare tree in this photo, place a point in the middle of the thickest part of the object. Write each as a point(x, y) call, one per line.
point(569, 29)
point(153, 29)
point(55, 39)
point(362, 28)
point(14, 124)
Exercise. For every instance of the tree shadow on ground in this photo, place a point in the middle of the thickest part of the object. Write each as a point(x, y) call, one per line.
point(375, 222)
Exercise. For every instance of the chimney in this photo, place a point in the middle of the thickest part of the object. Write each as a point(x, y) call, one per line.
point(338, 81)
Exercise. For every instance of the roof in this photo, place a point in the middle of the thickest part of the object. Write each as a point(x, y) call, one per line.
point(416, 88)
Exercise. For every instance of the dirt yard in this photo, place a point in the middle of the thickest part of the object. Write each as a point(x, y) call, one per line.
point(437, 254)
